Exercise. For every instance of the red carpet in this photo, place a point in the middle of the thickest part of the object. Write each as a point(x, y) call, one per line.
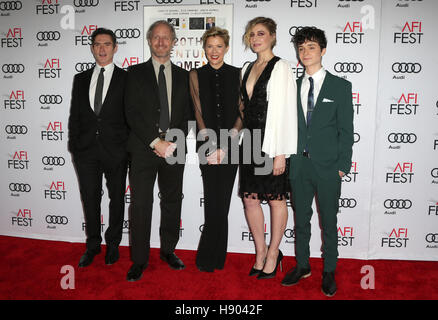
point(31, 270)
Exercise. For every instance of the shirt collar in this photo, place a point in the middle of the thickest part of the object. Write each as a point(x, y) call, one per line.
point(108, 67)
point(317, 76)
point(157, 64)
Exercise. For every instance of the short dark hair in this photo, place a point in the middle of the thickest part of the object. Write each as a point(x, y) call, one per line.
point(104, 31)
point(310, 34)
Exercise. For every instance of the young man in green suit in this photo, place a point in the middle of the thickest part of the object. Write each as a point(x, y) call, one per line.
point(325, 140)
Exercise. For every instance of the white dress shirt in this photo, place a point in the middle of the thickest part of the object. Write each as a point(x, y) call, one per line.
point(318, 79)
point(107, 75)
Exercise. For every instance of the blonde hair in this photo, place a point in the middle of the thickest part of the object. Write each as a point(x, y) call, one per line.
point(216, 32)
point(267, 22)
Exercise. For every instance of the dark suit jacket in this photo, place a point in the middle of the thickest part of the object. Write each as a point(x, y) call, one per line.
point(142, 105)
point(110, 127)
point(330, 136)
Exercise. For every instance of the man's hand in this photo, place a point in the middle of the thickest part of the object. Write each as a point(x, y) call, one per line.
point(216, 157)
point(164, 149)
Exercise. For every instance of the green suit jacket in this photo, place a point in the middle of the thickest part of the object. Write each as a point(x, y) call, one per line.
point(329, 138)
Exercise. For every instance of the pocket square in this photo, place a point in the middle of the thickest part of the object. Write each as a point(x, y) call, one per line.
point(327, 100)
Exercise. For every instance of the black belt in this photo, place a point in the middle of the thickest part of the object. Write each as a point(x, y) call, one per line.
point(306, 154)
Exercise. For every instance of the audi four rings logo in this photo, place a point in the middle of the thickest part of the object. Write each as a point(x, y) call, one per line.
point(347, 203)
point(13, 68)
point(19, 187)
point(397, 204)
point(82, 66)
point(127, 33)
point(56, 219)
point(168, 1)
point(406, 67)
point(402, 137)
point(10, 5)
point(432, 237)
point(16, 129)
point(294, 29)
point(48, 35)
point(349, 67)
point(50, 99)
point(53, 161)
point(85, 3)
point(434, 172)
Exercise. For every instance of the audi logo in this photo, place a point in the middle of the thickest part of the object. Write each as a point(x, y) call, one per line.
point(406, 67)
point(50, 99)
point(294, 29)
point(402, 137)
point(83, 66)
point(15, 129)
point(48, 35)
point(19, 187)
point(13, 68)
point(168, 1)
point(85, 3)
point(397, 204)
point(347, 203)
point(356, 137)
point(432, 237)
point(53, 161)
point(10, 5)
point(51, 219)
point(348, 67)
point(127, 33)
point(434, 172)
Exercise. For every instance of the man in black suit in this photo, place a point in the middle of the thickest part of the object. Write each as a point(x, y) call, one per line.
point(98, 133)
point(156, 99)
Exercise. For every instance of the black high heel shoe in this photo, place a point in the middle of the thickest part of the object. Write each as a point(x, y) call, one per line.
point(256, 272)
point(264, 275)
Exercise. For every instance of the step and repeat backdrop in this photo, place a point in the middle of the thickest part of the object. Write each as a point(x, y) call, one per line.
point(387, 49)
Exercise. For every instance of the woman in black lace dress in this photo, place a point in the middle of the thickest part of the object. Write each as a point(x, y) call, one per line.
point(215, 93)
point(270, 122)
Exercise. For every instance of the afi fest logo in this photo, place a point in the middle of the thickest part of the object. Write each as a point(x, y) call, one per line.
point(23, 218)
point(406, 105)
point(398, 238)
point(85, 38)
point(352, 176)
point(48, 7)
point(402, 173)
point(126, 5)
point(53, 132)
point(19, 161)
point(51, 69)
point(411, 33)
point(56, 191)
point(16, 100)
point(353, 31)
point(13, 38)
point(345, 236)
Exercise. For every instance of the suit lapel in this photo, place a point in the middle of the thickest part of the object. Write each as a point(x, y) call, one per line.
point(112, 87)
point(323, 91)
point(174, 90)
point(86, 88)
point(301, 119)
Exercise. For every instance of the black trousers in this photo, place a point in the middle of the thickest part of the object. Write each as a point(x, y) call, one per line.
point(218, 182)
point(91, 166)
point(142, 175)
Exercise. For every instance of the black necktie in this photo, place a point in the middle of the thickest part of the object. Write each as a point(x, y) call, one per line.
point(310, 102)
point(164, 104)
point(99, 92)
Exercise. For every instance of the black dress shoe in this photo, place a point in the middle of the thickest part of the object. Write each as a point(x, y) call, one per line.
point(135, 272)
point(173, 261)
point(112, 255)
point(295, 275)
point(254, 272)
point(264, 275)
point(328, 284)
point(87, 258)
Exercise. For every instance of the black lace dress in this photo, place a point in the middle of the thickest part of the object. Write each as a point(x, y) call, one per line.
point(263, 187)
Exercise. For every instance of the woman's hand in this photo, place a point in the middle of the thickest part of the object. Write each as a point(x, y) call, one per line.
point(279, 165)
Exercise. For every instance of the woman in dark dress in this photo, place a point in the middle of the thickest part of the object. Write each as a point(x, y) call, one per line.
point(215, 90)
point(270, 110)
